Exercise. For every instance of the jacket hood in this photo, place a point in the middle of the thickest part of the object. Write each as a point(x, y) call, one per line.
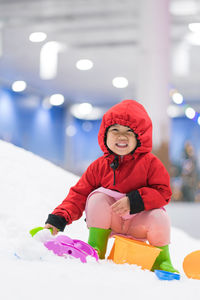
point(132, 114)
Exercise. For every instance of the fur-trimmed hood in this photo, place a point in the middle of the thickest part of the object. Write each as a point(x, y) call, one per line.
point(132, 114)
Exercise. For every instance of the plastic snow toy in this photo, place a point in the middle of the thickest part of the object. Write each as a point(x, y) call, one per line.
point(63, 245)
point(129, 251)
point(164, 275)
point(191, 265)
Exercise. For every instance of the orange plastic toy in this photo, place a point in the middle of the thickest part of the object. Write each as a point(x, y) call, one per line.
point(191, 265)
point(129, 251)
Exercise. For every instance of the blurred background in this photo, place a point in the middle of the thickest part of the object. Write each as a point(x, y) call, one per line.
point(63, 63)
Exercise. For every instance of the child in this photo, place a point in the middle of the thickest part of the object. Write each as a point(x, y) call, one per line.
point(124, 190)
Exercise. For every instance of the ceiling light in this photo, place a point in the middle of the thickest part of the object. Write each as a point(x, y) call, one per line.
point(177, 98)
point(85, 108)
point(37, 37)
point(182, 8)
point(84, 64)
point(56, 99)
point(120, 82)
point(49, 59)
point(82, 111)
point(194, 27)
point(85, 111)
point(19, 86)
point(190, 113)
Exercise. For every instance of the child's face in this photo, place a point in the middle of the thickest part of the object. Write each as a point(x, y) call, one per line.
point(121, 139)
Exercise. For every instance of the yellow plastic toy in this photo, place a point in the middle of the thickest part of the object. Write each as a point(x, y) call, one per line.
point(191, 265)
point(129, 251)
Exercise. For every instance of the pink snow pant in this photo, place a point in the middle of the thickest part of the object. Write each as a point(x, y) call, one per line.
point(152, 225)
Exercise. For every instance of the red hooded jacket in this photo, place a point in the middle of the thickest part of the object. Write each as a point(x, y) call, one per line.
point(140, 174)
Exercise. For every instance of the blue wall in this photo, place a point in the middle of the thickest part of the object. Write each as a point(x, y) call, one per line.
point(83, 148)
point(33, 128)
point(25, 123)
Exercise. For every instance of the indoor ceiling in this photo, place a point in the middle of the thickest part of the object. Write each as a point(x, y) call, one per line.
point(105, 31)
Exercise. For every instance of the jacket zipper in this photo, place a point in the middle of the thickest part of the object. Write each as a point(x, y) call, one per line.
point(114, 165)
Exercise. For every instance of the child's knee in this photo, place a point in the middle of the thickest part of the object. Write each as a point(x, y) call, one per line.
point(98, 211)
point(158, 217)
point(159, 229)
point(98, 201)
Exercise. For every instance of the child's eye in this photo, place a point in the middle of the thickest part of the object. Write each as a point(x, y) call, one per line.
point(114, 129)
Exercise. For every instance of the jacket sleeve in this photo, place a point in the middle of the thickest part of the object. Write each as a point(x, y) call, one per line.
point(73, 205)
point(156, 194)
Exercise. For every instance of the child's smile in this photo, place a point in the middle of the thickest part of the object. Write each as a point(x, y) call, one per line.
point(121, 139)
point(122, 144)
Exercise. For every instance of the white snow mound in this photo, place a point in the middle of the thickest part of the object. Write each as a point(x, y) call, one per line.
point(30, 187)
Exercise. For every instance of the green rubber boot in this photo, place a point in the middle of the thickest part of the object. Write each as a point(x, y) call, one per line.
point(98, 239)
point(163, 261)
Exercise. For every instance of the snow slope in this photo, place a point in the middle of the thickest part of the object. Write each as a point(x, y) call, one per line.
point(30, 188)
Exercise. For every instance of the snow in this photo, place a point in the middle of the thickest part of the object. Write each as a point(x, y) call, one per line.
point(30, 188)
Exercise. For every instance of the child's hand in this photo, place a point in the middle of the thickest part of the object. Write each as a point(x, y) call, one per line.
point(121, 207)
point(54, 229)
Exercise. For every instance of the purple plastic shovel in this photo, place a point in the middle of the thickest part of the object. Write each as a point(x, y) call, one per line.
point(62, 245)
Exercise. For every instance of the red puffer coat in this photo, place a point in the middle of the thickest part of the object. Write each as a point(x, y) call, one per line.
point(139, 174)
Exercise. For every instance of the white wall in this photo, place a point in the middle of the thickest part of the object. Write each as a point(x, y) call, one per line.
point(185, 216)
